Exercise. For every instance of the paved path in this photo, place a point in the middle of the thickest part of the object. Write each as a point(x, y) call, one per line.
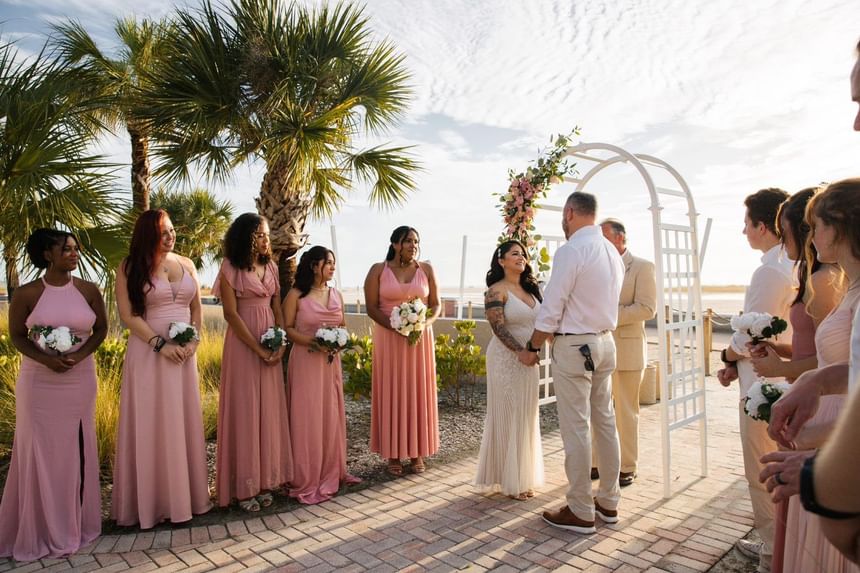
point(436, 522)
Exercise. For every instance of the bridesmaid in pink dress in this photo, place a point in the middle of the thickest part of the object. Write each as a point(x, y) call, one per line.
point(404, 419)
point(317, 417)
point(253, 430)
point(807, 549)
point(51, 504)
point(160, 468)
point(806, 313)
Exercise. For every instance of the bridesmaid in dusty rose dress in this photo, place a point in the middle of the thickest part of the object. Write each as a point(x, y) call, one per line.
point(51, 505)
point(253, 430)
point(160, 468)
point(404, 418)
point(317, 417)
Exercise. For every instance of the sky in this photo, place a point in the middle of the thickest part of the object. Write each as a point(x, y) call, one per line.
point(735, 95)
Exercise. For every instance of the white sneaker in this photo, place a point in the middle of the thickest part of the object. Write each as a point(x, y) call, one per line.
point(749, 549)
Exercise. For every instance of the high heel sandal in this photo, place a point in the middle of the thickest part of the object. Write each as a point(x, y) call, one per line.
point(524, 496)
point(395, 468)
point(251, 505)
point(418, 466)
point(265, 499)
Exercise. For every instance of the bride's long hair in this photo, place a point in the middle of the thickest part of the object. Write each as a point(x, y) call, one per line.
point(497, 273)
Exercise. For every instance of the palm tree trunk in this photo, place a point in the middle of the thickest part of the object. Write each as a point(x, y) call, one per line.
point(287, 212)
point(140, 171)
point(10, 259)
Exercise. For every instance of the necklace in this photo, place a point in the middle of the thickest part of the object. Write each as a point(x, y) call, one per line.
point(319, 288)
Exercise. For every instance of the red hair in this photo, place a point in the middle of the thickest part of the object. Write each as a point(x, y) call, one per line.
point(140, 263)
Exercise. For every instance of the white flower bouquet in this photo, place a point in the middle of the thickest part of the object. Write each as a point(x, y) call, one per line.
point(57, 338)
point(761, 397)
point(274, 338)
point(409, 319)
point(756, 326)
point(182, 333)
point(333, 339)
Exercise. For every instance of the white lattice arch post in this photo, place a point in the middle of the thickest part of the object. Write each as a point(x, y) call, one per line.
point(676, 261)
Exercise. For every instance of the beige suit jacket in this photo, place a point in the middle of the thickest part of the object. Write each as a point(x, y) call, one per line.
point(637, 304)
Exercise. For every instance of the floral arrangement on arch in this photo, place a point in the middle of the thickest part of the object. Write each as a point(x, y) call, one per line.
point(519, 202)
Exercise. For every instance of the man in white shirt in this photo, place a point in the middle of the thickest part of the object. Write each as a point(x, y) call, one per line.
point(770, 290)
point(580, 309)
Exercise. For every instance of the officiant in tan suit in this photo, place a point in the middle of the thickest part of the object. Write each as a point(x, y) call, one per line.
point(637, 304)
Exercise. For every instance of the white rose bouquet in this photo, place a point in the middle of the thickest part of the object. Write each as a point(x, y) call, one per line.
point(754, 327)
point(409, 319)
point(333, 339)
point(274, 338)
point(761, 397)
point(182, 333)
point(57, 338)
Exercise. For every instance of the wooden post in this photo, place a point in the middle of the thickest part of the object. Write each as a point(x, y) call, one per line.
point(469, 310)
point(708, 338)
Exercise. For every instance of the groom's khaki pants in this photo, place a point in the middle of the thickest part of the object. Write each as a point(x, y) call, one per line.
point(584, 396)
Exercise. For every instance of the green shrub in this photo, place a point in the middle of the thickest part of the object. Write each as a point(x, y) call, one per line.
point(357, 366)
point(459, 363)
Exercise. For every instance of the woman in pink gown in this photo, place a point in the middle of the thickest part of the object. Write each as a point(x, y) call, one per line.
point(317, 417)
point(253, 430)
point(807, 312)
point(807, 549)
point(404, 418)
point(160, 469)
point(51, 504)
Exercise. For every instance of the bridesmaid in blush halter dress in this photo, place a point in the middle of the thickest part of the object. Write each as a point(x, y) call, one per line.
point(317, 416)
point(253, 456)
point(51, 504)
point(160, 468)
point(404, 419)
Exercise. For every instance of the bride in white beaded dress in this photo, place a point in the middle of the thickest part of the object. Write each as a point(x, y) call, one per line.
point(511, 460)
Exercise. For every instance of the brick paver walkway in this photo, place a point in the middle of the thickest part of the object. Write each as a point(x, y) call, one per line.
point(436, 522)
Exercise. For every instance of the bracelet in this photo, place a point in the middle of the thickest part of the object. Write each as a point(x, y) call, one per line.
point(151, 338)
point(726, 360)
point(531, 348)
point(160, 344)
point(807, 494)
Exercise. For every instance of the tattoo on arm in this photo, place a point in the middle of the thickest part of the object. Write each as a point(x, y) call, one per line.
point(494, 308)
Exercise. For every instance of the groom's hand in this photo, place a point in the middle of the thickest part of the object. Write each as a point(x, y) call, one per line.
point(527, 357)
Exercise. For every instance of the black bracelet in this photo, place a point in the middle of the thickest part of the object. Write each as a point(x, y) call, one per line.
point(151, 338)
point(160, 344)
point(531, 348)
point(726, 360)
point(807, 494)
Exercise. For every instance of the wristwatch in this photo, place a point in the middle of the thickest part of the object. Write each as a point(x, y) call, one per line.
point(725, 359)
point(531, 348)
point(807, 494)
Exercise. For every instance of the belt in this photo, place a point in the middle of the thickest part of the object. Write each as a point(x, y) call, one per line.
point(601, 333)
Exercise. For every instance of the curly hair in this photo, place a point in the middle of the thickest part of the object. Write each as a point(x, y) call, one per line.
point(239, 242)
point(42, 240)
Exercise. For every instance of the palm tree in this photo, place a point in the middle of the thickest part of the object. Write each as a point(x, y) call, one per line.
point(293, 87)
point(48, 174)
point(119, 80)
point(200, 220)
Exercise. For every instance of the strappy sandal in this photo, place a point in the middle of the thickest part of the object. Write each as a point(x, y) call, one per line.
point(530, 493)
point(418, 466)
point(251, 505)
point(265, 499)
point(524, 496)
point(395, 468)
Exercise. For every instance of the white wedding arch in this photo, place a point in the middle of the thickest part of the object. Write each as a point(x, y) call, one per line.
point(679, 306)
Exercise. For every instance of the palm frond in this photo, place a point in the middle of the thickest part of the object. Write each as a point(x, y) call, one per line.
point(389, 170)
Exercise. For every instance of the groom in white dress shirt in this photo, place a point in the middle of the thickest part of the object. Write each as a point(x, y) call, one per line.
point(580, 309)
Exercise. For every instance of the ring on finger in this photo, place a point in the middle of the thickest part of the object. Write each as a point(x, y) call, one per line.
point(778, 479)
